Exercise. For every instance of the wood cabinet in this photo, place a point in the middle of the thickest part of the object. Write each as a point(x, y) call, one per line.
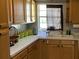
point(21, 11)
point(74, 11)
point(53, 52)
point(21, 55)
point(61, 49)
point(18, 11)
point(31, 52)
point(67, 52)
point(53, 49)
point(10, 5)
point(78, 49)
point(4, 44)
point(43, 49)
point(33, 10)
point(4, 38)
point(50, 49)
point(67, 11)
point(3, 12)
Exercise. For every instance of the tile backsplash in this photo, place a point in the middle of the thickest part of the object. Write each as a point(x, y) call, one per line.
point(25, 29)
point(20, 27)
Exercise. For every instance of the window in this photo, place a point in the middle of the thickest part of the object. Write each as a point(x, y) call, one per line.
point(42, 21)
point(54, 13)
point(50, 15)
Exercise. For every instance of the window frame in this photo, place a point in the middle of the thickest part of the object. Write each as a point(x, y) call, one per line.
point(58, 6)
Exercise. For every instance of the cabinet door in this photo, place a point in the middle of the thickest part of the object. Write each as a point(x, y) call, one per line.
point(43, 49)
point(28, 11)
point(53, 52)
point(37, 49)
point(30, 55)
point(33, 11)
point(3, 12)
point(10, 3)
point(21, 55)
point(4, 44)
point(34, 51)
point(16, 57)
point(18, 11)
point(74, 11)
point(67, 52)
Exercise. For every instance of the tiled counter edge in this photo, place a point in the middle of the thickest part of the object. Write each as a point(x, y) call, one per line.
point(26, 41)
point(22, 44)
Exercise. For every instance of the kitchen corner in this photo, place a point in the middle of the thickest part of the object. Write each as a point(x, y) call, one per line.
point(26, 41)
point(39, 29)
point(22, 44)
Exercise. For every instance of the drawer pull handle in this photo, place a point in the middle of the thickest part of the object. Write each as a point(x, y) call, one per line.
point(58, 45)
point(0, 34)
point(3, 26)
point(62, 46)
point(47, 41)
point(0, 26)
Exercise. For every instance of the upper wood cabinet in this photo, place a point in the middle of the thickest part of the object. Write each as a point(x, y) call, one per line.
point(33, 11)
point(3, 12)
point(67, 11)
point(28, 11)
point(18, 11)
point(74, 11)
point(21, 11)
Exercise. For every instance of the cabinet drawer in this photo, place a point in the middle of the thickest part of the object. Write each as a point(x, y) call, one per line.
point(21, 55)
point(4, 25)
point(24, 52)
point(51, 41)
point(4, 32)
point(67, 42)
point(31, 47)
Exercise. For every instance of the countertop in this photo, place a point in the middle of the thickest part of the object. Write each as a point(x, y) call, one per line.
point(22, 44)
point(26, 41)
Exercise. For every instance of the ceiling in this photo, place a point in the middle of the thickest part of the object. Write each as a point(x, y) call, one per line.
point(50, 1)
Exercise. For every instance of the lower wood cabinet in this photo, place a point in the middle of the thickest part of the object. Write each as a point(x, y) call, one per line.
point(4, 44)
point(31, 52)
point(57, 50)
point(50, 49)
point(67, 52)
point(43, 49)
point(53, 52)
point(21, 55)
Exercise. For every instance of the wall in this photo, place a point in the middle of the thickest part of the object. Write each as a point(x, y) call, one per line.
point(20, 27)
point(64, 13)
point(25, 27)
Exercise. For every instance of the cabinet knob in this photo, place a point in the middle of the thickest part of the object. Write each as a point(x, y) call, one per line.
point(0, 34)
point(62, 46)
point(47, 41)
point(0, 25)
point(58, 45)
